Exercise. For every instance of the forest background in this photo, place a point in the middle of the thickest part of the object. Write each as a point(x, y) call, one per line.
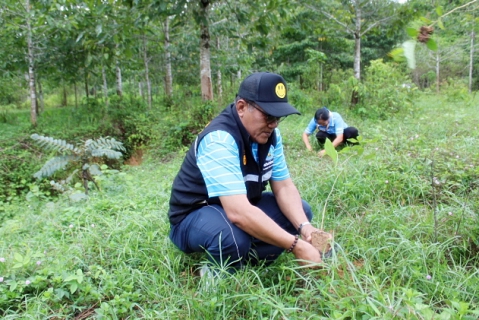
point(151, 74)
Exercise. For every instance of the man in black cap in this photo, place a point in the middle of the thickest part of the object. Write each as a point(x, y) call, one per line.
point(218, 203)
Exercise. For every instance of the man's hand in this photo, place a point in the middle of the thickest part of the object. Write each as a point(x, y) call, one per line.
point(321, 153)
point(306, 232)
point(306, 252)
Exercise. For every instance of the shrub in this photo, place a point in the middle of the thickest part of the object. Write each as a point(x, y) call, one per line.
point(299, 99)
point(179, 127)
point(455, 90)
point(6, 114)
point(384, 91)
point(18, 162)
point(83, 156)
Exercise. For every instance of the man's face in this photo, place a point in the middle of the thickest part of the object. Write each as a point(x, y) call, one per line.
point(258, 123)
point(323, 122)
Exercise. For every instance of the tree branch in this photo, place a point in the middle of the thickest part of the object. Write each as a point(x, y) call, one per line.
point(464, 5)
point(374, 25)
point(330, 16)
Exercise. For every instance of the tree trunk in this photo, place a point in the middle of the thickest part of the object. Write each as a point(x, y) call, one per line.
point(357, 68)
point(147, 74)
point(205, 67)
point(119, 89)
point(76, 94)
point(357, 56)
point(40, 95)
point(321, 77)
point(357, 41)
point(168, 76)
point(219, 83)
point(471, 60)
point(416, 78)
point(31, 69)
point(105, 84)
point(437, 70)
point(87, 91)
point(64, 94)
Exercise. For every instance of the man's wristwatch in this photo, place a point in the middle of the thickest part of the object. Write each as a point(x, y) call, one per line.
point(302, 225)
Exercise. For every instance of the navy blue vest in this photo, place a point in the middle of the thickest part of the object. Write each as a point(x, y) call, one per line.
point(189, 190)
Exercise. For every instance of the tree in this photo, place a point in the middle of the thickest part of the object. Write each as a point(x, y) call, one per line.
point(205, 55)
point(448, 43)
point(23, 22)
point(357, 18)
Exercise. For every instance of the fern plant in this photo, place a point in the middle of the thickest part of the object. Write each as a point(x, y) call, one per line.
point(83, 156)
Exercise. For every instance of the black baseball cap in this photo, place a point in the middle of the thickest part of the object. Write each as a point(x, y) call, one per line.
point(268, 90)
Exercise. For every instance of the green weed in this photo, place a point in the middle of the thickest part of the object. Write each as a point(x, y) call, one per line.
point(109, 256)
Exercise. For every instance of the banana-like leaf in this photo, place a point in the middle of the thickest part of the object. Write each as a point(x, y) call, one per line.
point(331, 151)
point(409, 48)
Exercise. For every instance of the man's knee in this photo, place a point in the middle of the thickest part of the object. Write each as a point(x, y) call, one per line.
point(351, 132)
point(321, 137)
point(307, 210)
point(228, 246)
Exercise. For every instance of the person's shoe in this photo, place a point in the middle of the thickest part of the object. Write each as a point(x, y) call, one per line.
point(208, 278)
point(205, 271)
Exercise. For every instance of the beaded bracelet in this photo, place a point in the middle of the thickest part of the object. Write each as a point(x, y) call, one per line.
point(296, 237)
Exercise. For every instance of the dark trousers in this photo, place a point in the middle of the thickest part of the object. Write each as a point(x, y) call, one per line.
point(349, 132)
point(209, 229)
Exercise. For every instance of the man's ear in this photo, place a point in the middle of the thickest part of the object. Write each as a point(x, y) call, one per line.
point(241, 107)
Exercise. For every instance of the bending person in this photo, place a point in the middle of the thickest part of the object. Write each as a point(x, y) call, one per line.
point(330, 125)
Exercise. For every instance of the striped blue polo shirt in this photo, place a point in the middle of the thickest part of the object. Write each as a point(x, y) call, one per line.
point(219, 162)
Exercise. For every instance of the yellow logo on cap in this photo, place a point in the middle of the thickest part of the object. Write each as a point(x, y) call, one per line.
point(280, 90)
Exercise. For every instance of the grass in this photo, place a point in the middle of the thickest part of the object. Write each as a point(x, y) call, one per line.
point(408, 250)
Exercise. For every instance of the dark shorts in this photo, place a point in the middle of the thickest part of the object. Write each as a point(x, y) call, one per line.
point(349, 133)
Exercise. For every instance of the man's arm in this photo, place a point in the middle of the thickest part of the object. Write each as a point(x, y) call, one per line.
point(312, 126)
point(289, 201)
point(255, 222)
point(338, 140)
point(306, 141)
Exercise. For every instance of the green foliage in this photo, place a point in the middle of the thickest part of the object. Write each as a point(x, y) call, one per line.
point(56, 145)
point(79, 157)
point(179, 127)
point(10, 92)
point(110, 256)
point(331, 151)
point(18, 161)
point(384, 91)
point(454, 90)
point(7, 114)
point(338, 92)
point(301, 100)
point(127, 119)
